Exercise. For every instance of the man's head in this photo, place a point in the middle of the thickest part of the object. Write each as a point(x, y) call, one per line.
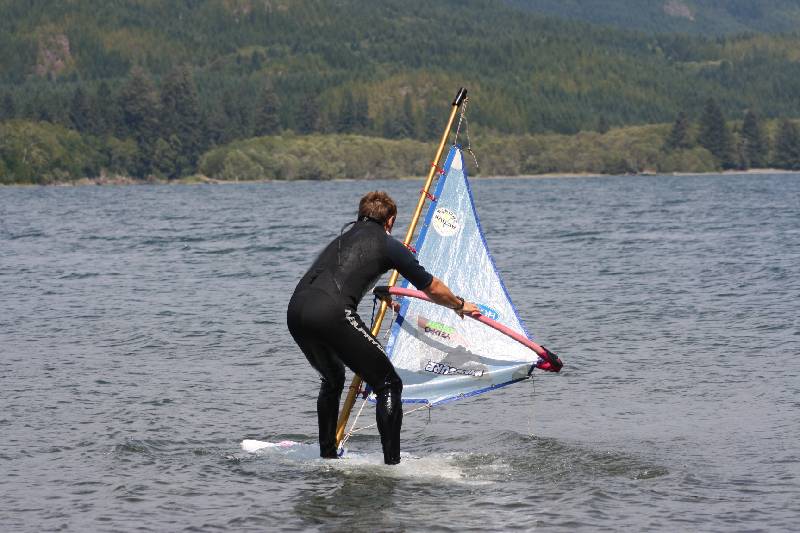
point(378, 206)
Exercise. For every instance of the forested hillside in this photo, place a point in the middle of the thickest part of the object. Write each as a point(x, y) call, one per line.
point(151, 85)
point(700, 17)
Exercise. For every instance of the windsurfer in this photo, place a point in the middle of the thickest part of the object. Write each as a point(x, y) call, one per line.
point(323, 319)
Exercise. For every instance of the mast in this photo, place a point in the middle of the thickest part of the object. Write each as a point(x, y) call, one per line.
point(352, 392)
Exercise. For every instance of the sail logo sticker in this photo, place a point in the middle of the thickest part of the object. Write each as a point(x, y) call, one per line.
point(445, 222)
point(488, 312)
point(447, 370)
point(441, 332)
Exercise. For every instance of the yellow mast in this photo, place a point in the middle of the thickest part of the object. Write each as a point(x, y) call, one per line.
point(352, 392)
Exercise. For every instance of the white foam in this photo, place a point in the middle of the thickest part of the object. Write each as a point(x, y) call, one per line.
point(250, 445)
point(431, 467)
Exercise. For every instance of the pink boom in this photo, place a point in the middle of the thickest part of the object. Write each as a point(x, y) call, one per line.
point(550, 361)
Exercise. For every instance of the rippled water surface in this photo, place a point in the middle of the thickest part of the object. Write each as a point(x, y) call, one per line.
point(142, 339)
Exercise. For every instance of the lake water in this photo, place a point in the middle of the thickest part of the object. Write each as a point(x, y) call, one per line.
point(142, 338)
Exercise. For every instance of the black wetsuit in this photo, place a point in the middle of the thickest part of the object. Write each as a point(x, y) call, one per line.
point(323, 320)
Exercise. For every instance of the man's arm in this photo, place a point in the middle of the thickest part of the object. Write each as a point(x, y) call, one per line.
point(441, 294)
point(405, 262)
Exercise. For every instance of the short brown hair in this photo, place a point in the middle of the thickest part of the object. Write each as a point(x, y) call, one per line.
point(377, 205)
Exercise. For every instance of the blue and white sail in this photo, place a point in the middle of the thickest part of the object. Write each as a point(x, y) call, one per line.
point(439, 356)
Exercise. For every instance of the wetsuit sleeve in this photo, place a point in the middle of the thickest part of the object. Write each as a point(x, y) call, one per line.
point(405, 263)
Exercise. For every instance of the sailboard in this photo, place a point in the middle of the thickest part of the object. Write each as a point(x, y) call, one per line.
point(439, 356)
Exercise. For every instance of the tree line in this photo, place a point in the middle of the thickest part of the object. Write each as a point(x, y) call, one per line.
point(742, 146)
point(538, 74)
point(150, 86)
point(142, 129)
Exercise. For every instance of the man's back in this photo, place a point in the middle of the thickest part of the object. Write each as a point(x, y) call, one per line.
point(350, 265)
point(353, 262)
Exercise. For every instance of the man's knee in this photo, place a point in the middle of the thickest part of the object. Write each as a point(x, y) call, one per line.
point(333, 384)
point(391, 384)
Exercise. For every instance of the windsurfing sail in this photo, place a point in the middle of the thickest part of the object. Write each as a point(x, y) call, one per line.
point(439, 356)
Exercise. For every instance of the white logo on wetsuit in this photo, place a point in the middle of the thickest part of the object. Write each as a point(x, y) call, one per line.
point(348, 315)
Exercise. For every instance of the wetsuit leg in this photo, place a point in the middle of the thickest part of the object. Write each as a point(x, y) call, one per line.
point(363, 354)
point(389, 415)
point(331, 370)
point(329, 334)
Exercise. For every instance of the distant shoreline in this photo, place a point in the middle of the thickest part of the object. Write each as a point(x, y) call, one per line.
point(204, 180)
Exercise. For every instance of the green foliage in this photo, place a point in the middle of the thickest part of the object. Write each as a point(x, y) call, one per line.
point(679, 134)
point(80, 112)
point(346, 122)
point(141, 111)
point(267, 119)
point(155, 84)
point(532, 74)
point(620, 151)
point(684, 16)
point(753, 146)
point(691, 160)
point(42, 153)
point(106, 111)
point(167, 159)
point(120, 155)
point(787, 146)
point(181, 121)
point(308, 117)
point(715, 135)
point(8, 108)
point(318, 157)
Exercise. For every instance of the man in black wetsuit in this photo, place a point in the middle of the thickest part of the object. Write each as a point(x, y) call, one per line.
point(322, 318)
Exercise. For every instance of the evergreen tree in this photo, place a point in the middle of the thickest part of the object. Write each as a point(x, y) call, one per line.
point(106, 113)
point(347, 114)
point(407, 124)
point(678, 137)
point(167, 157)
point(390, 124)
point(715, 135)
point(218, 128)
point(8, 109)
point(327, 120)
point(52, 107)
point(308, 116)
point(787, 146)
point(361, 120)
point(754, 143)
point(267, 121)
point(44, 115)
point(181, 117)
point(141, 108)
point(602, 125)
point(255, 61)
point(432, 128)
point(80, 111)
point(238, 112)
